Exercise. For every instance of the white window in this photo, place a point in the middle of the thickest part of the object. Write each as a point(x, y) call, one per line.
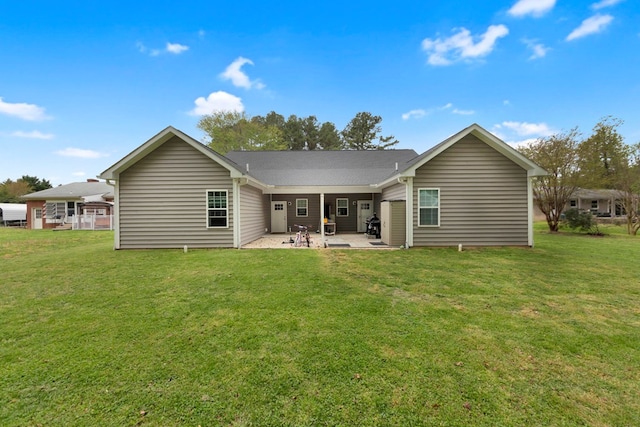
point(573, 203)
point(342, 207)
point(217, 209)
point(302, 207)
point(429, 207)
point(55, 211)
point(594, 205)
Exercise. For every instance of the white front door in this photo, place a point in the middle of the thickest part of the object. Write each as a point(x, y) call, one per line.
point(365, 210)
point(278, 217)
point(36, 218)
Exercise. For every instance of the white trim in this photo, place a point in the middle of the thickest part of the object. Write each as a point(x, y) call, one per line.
point(311, 189)
point(428, 207)
point(116, 214)
point(206, 195)
point(530, 212)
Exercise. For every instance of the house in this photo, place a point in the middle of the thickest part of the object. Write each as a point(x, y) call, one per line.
point(13, 214)
point(60, 206)
point(604, 203)
point(471, 189)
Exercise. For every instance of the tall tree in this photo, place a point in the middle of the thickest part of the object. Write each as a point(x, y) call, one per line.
point(230, 130)
point(36, 183)
point(362, 132)
point(558, 155)
point(311, 133)
point(294, 133)
point(601, 153)
point(329, 137)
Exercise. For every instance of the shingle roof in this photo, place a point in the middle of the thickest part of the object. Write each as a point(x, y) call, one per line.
point(322, 168)
point(75, 190)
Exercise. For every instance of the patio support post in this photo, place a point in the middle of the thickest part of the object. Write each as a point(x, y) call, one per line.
point(322, 217)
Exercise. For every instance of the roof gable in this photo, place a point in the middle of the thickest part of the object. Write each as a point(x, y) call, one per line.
point(156, 141)
point(484, 136)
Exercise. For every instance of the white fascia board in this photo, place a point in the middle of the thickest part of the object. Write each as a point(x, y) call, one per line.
point(319, 190)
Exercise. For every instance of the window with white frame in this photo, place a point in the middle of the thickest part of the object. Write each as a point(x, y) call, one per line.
point(429, 207)
point(594, 205)
point(302, 207)
point(217, 208)
point(55, 212)
point(573, 203)
point(342, 207)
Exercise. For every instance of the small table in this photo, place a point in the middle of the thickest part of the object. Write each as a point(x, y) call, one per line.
point(329, 228)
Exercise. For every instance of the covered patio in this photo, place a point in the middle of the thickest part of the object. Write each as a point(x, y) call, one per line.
point(338, 241)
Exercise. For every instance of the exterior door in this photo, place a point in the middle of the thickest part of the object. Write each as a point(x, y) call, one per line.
point(278, 217)
point(36, 218)
point(365, 210)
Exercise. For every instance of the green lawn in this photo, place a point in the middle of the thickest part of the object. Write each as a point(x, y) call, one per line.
point(491, 337)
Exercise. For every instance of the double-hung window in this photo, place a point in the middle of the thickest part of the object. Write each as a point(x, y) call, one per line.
point(429, 207)
point(342, 207)
point(217, 208)
point(302, 207)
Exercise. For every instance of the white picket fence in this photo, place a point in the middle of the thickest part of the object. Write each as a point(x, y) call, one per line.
point(92, 222)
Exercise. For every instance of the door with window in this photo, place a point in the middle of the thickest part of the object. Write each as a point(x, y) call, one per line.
point(36, 218)
point(278, 217)
point(365, 210)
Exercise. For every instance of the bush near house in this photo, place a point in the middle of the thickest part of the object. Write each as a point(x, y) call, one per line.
point(493, 336)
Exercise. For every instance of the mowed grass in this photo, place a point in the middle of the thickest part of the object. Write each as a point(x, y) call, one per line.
point(497, 336)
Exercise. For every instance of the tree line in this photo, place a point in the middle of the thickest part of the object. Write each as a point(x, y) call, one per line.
point(600, 161)
point(229, 131)
point(11, 191)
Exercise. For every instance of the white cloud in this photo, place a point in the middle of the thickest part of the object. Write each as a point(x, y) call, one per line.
point(538, 49)
point(176, 48)
point(24, 111)
point(217, 101)
point(604, 3)
point(592, 25)
point(79, 152)
point(414, 114)
point(526, 129)
point(32, 135)
point(78, 174)
point(462, 45)
point(238, 78)
point(463, 112)
point(534, 8)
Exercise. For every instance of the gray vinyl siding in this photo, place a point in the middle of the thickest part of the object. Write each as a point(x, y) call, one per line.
point(483, 198)
point(252, 218)
point(395, 192)
point(312, 219)
point(163, 200)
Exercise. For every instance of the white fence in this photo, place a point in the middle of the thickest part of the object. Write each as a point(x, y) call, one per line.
point(92, 222)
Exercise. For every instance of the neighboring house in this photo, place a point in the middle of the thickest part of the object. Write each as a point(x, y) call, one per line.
point(59, 206)
point(13, 214)
point(602, 203)
point(173, 191)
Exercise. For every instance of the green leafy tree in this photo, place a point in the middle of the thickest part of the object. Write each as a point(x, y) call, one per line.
point(363, 133)
point(12, 191)
point(601, 154)
point(294, 133)
point(558, 155)
point(230, 130)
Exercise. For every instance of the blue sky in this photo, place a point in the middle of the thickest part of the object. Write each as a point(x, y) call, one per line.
point(84, 83)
